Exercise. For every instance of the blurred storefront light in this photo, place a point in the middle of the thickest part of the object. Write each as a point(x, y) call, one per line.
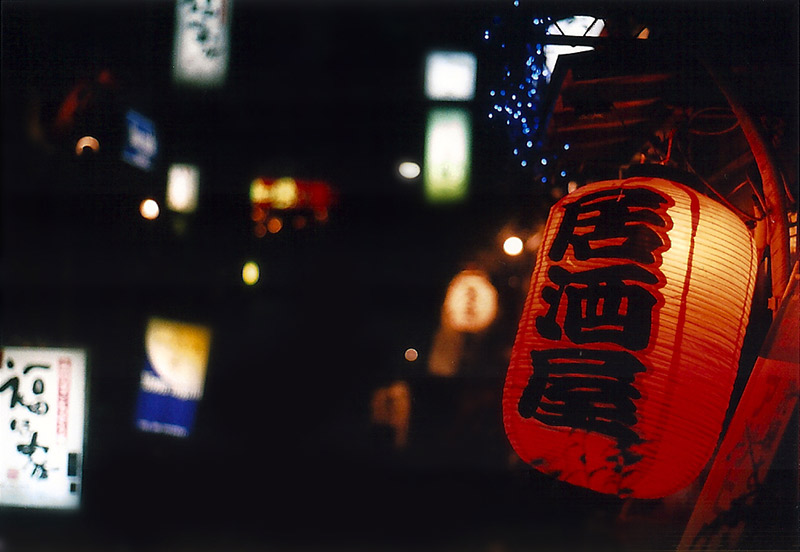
point(409, 170)
point(288, 193)
point(183, 183)
point(513, 246)
point(250, 273)
point(274, 225)
point(450, 76)
point(448, 155)
point(149, 209)
point(87, 142)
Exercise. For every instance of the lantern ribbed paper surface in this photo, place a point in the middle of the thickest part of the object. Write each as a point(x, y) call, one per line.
point(629, 342)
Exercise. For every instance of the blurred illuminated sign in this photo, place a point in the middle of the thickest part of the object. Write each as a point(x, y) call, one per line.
point(141, 146)
point(202, 41)
point(288, 193)
point(448, 141)
point(450, 76)
point(173, 377)
point(42, 421)
point(182, 188)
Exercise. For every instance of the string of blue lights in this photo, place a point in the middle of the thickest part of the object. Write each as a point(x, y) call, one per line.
point(517, 98)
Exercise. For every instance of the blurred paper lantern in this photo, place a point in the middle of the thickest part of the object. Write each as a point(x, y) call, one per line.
point(391, 406)
point(470, 304)
point(629, 342)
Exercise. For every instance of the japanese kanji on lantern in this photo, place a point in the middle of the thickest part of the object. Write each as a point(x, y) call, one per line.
point(629, 342)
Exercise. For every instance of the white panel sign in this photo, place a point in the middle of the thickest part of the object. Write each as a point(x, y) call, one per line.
point(450, 76)
point(201, 46)
point(42, 413)
point(448, 144)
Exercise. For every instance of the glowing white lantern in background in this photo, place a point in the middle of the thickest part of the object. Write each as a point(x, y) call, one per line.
point(470, 304)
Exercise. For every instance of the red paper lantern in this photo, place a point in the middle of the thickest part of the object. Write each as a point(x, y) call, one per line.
point(629, 342)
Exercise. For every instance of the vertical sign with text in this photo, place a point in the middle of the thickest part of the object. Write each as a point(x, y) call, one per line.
point(42, 415)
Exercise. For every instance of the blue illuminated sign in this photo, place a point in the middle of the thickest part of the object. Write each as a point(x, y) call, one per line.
point(141, 146)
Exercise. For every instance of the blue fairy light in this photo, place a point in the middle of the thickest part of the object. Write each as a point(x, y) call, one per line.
point(517, 95)
point(563, 173)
